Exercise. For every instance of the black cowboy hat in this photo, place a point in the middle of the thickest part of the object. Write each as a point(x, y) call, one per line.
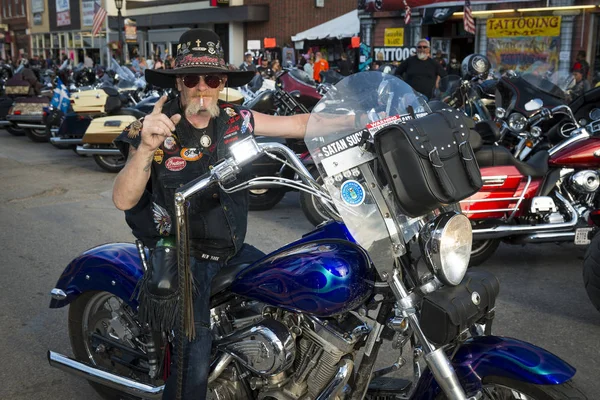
point(199, 52)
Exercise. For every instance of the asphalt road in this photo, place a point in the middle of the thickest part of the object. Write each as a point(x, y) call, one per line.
point(54, 205)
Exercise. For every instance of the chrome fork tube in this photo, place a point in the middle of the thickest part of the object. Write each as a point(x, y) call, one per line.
point(438, 362)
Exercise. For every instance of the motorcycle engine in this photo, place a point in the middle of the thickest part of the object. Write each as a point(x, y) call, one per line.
point(585, 182)
point(284, 355)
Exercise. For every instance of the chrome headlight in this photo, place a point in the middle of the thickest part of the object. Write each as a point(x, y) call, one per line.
point(517, 122)
point(446, 246)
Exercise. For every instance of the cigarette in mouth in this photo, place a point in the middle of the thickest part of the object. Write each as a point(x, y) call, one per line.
point(201, 101)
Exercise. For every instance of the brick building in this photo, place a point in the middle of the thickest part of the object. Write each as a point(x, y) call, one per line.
point(14, 18)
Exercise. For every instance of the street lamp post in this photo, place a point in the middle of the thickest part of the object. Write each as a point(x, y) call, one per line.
point(119, 5)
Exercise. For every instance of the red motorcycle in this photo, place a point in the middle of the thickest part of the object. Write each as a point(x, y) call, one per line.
point(550, 198)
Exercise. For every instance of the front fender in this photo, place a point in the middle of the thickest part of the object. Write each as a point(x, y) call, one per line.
point(487, 356)
point(112, 267)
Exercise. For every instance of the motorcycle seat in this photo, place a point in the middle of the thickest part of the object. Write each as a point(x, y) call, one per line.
point(129, 111)
point(490, 156)
point(225, 277)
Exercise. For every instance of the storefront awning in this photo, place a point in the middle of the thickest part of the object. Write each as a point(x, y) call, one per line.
point(344, 26)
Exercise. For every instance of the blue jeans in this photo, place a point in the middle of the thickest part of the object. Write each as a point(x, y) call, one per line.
point(197, 354)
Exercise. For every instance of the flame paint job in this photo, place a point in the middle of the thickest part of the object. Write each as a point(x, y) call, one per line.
point(513, 186)
point(118, 262)
point(578, 155)
point(323, 278)
point(488, 356)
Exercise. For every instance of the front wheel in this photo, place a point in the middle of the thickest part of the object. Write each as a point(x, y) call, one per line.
point(264, 199)
point(110, 163)
point(591, 271)
point(311, 206)
point(497, 388)
point(38, 135)
point(104, 333)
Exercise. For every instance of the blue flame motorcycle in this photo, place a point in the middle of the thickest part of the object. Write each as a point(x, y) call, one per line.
point(290, 326)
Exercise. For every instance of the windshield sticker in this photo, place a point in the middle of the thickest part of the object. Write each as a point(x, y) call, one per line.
point(352, 193)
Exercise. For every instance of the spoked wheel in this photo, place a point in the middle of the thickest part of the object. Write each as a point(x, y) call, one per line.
point(110, 163)
point(102, 328)
point(38, 135)
point(482, 250)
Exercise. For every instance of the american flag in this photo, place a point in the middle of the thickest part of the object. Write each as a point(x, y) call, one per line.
point(99, 16)
point(406, 13)
point(468, 18)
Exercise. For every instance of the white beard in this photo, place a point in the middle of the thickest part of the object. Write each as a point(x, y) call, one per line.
point(195, 108)
point(422, 56)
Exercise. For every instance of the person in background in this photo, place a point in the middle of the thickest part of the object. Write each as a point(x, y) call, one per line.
point(308, 67)
point(264, 69)
point(420, 71)
point(143, 64)
point(439, 57)
point(582, 85)
point(581, 64)
point(376, 65)
point(344, 65)
point(135, 64)
point(150, 62)
point(158, 63)
point(454, 67)
point(248, 64)
point(320, 65)
point(65, 63)
point(87, 61)
point(275, 68)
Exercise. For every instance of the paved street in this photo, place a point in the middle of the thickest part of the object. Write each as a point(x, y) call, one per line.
point(55, 204)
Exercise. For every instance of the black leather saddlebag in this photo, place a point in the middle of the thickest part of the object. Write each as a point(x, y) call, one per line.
point(429, 162)
point(449, 311)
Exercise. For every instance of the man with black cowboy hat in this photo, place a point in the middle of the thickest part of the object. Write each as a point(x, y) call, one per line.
point(178, 142)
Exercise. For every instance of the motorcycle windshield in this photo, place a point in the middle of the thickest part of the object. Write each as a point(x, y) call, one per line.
point(335, 142)
point(468, 98)
point(542, 78)
point(448, 85)
point(124, 73)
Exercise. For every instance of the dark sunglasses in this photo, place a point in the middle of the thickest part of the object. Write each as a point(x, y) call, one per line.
point(212, 81)
point(422, 47)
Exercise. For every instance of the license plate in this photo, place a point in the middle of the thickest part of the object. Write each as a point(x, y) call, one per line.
point(581, 236)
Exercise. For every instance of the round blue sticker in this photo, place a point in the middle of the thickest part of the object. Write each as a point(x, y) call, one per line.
point(352, 193)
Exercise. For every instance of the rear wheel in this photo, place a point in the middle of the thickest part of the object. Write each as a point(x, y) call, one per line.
point(98, 319)
point(13, 130)
point(110, 163)
point(591, 271)
point(482, 250)
point(38, 135)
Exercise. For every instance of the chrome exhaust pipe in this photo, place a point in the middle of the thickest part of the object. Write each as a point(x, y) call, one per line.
point(337, 383)
point(100, 152)
point(502, 231)
point(63, 141)
point(547, 237)
point(105, 378)
point(30, 126)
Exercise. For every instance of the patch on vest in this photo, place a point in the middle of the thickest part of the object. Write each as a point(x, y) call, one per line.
point(246, 125)
point(158, 156)
point(191, 154)
point(175, 164)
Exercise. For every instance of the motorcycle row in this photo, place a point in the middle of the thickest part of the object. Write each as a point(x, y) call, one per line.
point(441, 182)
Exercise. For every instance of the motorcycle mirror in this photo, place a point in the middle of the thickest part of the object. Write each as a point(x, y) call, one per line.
point(595, 114)
point(500, 113)
point(534, 105)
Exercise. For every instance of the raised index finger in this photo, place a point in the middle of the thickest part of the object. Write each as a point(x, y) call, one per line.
point(159, 105)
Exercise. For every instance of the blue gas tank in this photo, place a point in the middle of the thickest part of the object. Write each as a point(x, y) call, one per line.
point(322, 277)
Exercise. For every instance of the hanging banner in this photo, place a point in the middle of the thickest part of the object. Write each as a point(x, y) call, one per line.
point(526, 26)
point(37, 6)
point(130, 30)
point(87, 7)
point(63, 14)
point(519, 53)
point(390, 54)
point(438, 15)
point(393, 37)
